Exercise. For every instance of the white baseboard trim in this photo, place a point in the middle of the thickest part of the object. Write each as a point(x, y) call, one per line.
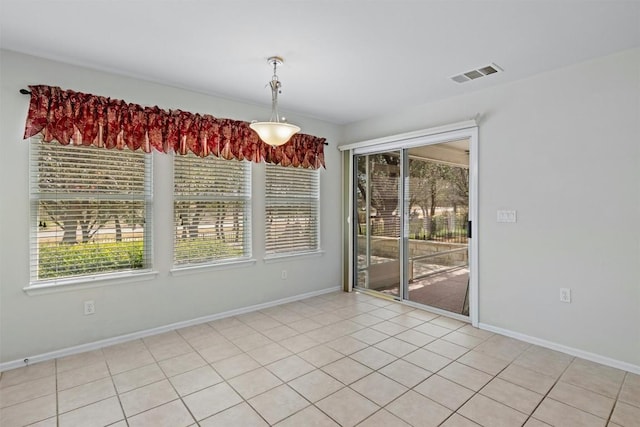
point(593, 357)
point(154, 331)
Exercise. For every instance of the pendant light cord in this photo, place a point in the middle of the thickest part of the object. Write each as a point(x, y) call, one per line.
point(275, 89)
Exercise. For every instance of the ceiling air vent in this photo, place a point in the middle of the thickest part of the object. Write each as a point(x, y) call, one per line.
point(476, 74)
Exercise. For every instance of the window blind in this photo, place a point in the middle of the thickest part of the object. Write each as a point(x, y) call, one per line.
point(292, 210)
point(212, 210)
point(90, 211)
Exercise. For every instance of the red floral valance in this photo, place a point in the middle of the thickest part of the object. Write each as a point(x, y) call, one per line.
point(84, 119)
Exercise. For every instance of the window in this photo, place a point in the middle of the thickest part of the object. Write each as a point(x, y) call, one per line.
point(90, 211)
point(212, 210)
point(292, 210)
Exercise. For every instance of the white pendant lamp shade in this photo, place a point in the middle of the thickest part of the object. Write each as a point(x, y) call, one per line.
point(274, 132)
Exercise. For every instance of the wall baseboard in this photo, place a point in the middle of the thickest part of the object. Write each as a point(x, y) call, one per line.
point(593, 357)
point(154, 331)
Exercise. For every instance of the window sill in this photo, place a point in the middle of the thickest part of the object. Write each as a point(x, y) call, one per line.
point(285, 257)
point(76, 283)
point(193, 269)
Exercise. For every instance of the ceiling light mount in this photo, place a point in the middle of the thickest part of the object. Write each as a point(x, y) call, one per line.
point(274, 132)
point(275, 61)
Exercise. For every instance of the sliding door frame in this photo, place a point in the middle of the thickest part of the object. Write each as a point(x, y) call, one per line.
point(463, 130)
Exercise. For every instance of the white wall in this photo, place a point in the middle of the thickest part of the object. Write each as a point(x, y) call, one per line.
point(563, 149)
point(32, 325)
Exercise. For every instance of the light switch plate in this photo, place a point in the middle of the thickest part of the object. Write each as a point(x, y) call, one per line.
point(506, 216)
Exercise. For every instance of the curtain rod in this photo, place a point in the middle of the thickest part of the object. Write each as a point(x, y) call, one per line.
point(28, 92)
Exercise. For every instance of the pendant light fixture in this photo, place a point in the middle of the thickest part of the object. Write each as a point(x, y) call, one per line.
point(274, 132)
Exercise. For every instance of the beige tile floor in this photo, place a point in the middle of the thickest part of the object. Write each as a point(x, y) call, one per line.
point(337, 359)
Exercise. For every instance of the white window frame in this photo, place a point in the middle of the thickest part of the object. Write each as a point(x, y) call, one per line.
point(37, 285)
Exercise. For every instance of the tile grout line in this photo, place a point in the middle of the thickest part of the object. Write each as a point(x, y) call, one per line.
point(478, 392)
point(320, 369)
point(261, 366)
point(157, 362)
point(124, 414)
point(55, 367)
point(475, 393)
point(557, 380)
point(283, 382)
point(401, 358)
point(109, 376)
point(181, 398)
point(615, 401)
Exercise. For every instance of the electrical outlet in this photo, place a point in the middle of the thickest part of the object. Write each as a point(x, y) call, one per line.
point(89, 307)
point(565, 295)
point(284, 275)
point(507, 216)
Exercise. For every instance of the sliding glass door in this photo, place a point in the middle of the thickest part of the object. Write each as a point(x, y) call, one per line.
point(377, 228)
point(411, 224)
point(438, 249)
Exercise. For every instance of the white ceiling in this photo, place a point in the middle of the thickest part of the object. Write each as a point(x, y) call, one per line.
point(344, 60)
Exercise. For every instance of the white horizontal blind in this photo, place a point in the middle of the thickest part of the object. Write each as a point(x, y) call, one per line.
point(212, 210)
point(292, 210)
point(90, 211)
